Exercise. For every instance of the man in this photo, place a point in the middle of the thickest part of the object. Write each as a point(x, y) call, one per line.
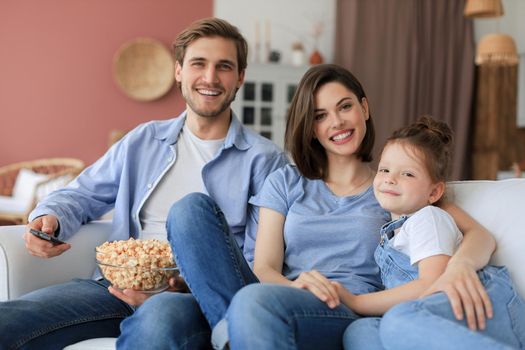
point(205, 149)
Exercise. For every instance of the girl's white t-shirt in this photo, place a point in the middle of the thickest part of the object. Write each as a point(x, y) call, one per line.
point(429, 231)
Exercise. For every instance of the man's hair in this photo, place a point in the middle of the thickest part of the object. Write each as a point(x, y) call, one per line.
point(307, 153)
point(210, 27)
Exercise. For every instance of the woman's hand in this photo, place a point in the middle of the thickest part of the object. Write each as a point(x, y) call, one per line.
point(466, 293)
point(319, 285)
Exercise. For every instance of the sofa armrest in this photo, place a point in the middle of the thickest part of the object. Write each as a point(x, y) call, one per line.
point(21, 272)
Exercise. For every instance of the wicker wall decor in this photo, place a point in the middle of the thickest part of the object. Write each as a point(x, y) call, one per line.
point(497, 49)
point(144, 69)
point(483, 8)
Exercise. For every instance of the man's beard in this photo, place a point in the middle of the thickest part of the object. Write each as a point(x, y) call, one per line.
point(205, 112)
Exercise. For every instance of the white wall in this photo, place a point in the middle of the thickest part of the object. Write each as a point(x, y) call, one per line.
point(289, 21)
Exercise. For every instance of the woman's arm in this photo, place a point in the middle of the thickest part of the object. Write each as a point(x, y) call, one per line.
point(269, 259)
point(269, 247)
point(460, 281)
point(376, 304)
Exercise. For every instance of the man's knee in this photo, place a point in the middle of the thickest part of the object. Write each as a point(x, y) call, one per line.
point(169, 308)
point(180, 222)
point(166, 313)
point(184, 208)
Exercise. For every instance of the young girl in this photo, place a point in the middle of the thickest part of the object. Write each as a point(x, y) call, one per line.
point(414, 251)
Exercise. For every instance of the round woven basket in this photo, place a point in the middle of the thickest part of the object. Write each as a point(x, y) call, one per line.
point(144, 69)
point(497, 49)
point(483, 8)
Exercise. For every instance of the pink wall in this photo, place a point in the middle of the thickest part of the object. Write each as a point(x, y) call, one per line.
point(57, 94)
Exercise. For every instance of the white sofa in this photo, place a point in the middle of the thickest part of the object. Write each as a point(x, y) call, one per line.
point(498, 205)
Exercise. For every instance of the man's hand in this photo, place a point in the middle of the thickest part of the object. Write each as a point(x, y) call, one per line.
point(177, 284)
point(130, 296)
point(39, 247)
point(319, 285)
point(136, 298)
point(466, 294)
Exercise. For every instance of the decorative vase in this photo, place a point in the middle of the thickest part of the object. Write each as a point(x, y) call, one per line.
point(316, 58)
point(298, 56)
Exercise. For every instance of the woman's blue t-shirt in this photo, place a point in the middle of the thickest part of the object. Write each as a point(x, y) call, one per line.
point(336, 236)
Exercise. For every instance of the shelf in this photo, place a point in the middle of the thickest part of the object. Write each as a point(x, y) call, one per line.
point(262, 102)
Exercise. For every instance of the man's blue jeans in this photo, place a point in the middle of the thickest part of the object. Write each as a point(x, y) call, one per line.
point(207, 254)
point(429, 323)
point(210, 261)
point(214, 269)
point(59, 315)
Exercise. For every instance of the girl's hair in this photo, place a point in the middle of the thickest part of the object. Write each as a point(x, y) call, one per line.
point(306, 151)
point(433, 140)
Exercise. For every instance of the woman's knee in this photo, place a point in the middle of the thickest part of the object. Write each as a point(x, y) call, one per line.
point(250, 303)
point(249, 298)
point(362, 334)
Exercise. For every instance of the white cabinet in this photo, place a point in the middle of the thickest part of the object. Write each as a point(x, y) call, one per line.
point(262, 101)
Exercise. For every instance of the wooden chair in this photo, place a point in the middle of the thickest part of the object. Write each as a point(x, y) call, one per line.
point(64, 168)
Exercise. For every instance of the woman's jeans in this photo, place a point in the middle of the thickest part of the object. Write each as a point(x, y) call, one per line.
point(429, 323)
point(268, 316)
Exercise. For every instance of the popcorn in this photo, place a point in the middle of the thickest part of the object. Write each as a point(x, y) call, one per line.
point(136, 264)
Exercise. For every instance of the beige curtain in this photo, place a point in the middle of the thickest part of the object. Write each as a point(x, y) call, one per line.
point(413, 57)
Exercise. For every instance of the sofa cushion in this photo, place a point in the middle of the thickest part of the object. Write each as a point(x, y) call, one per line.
point(499, 206)
point(52, 185)
point(26, 183)
point(13, 205)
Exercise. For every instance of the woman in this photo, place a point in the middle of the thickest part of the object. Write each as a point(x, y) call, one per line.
point(318, 221)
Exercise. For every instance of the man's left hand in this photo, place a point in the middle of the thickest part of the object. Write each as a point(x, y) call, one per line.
point(129, 296)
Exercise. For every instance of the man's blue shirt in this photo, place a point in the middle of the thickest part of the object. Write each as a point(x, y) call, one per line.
point(127, 174)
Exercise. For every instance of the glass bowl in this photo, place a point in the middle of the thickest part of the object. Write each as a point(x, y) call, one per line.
point(130, 273)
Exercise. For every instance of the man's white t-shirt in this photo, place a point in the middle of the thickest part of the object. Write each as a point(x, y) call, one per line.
point(429, 231)
point(184, 177)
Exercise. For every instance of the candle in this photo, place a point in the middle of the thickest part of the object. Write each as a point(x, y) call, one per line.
point(256, 33)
